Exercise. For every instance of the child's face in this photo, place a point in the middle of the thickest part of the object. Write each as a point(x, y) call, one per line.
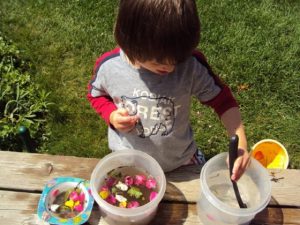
point(157, 68)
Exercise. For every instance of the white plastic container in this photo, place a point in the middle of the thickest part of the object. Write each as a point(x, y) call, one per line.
point(217, 204)
point(123, 216)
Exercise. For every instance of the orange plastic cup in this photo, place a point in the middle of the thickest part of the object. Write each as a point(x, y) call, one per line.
point(271, 154)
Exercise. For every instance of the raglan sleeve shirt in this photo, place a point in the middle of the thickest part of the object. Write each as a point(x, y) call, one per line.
point(211, 85)
point(97, 96)
point(221, 101)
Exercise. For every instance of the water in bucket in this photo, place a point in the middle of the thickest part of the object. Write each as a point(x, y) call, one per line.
point(224, 192)
point(114, 215)
point(218, 205)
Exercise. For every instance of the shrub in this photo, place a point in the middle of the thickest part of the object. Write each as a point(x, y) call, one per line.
point(22, 103)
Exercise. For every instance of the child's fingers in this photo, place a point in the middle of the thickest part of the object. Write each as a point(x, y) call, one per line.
point(126, 120)
point(123, 128)
point(123, 122)
point(239, 167)
point(236, 168)
point(122, 112)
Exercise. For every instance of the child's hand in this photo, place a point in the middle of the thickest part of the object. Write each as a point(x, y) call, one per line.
point(122, 121)
point(240, 164)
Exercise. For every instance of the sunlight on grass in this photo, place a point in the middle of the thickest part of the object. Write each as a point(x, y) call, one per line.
point(253, 45)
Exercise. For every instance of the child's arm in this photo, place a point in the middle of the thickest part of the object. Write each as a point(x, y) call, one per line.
point(104, 104)
point(122, 121)
point(227, 109)
point(117, 118)
point(232, 121)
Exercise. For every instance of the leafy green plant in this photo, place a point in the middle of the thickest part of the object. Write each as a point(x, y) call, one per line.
point(22, 103)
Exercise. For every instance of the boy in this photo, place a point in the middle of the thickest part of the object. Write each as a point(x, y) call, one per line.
point(143, 89)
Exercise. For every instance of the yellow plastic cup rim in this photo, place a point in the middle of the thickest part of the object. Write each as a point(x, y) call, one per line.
point(271, 154)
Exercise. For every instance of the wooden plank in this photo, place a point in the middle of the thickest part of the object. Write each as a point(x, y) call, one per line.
point(277, 216)
point(173, 213)
point(30, 172)
point(20, 208)
point(285, 187)
point(184, 185)
point(178, 213)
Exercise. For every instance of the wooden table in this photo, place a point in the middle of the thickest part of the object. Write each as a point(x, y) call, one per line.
point(23, 176)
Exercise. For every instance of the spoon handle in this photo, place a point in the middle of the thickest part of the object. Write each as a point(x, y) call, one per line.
point(233, 153)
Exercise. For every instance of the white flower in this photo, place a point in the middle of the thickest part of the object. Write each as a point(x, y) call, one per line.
point(54, 207)
point(122, 186)
point(120, 198)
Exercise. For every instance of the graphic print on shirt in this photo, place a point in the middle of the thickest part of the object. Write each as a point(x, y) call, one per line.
point(157, 115)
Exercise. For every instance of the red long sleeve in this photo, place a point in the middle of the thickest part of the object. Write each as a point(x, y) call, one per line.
point(103, 105)
point(224, 100)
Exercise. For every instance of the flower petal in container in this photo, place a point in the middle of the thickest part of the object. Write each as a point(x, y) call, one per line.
point(66, 201)
point(133, 214)
point(271, 154)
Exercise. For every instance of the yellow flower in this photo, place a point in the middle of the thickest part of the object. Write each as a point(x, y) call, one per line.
point(76, 203)
point(104, 194)
point(70, 203)
point(122, 204)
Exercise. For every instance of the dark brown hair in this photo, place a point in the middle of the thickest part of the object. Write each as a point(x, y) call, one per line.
point(164, 30)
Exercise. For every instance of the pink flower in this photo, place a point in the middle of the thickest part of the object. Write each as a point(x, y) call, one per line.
point(151, 183)
point(110, 181)
point(104, 188)
point(133, 204)
point(139, 180)
point(55, 193)
point(153, 195)
point(74, 196)
point(111, 199)
point(128, 180)
point(81, 197)
point(78, 208)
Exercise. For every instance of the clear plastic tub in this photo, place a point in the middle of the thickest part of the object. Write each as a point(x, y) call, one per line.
point(122, 216)
point(217, 204)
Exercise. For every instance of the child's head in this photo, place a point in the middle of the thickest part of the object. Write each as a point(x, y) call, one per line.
point(163, 30)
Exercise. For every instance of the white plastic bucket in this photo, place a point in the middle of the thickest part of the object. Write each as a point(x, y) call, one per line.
point(217, 204)
point(123, 216)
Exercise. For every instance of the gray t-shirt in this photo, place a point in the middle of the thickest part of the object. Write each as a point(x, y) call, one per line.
point(162, 104)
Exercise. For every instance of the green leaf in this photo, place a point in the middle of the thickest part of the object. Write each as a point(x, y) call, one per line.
point(114, 190)
point(135, 192)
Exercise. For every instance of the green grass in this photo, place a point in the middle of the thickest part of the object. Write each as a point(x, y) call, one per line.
point(253, 45)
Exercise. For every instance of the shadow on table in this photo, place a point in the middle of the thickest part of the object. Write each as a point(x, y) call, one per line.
point(184, 173)
point(184, 180)
point(270, 215)
point(95, 216)
point(175, 208)
point(171, 212)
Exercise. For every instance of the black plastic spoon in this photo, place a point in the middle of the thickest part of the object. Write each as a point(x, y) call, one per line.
point(233, 153)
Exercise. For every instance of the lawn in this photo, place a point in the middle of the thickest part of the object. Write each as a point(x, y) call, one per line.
point(253, 45)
